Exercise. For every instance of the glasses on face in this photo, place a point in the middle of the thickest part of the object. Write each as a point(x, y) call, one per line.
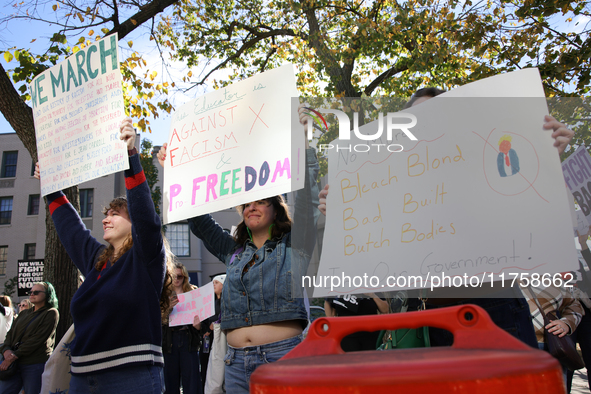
point(179, 277)
point(22, 306)
point(35, 292)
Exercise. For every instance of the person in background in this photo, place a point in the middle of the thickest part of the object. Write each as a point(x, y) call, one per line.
point(180, 344)
point(557, 301)
point(24, 304)
point(6, 316)
point(117, 309)
point(30, 341)
point(207, 326)
point(582, 289)
point(356, 305)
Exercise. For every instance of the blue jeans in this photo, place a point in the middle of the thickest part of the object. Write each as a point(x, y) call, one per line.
point(140, 379)
point(27, 377)
point(182, 366)
point(241, 362)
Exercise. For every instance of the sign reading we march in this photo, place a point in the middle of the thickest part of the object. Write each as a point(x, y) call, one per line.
point(480, 194)
point(234, 145)
point(77, 108)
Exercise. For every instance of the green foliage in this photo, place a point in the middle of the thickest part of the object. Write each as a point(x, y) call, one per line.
point(151, 172)
point(144, 97)
point(10, 286)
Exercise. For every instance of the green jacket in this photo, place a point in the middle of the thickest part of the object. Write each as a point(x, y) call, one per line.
point(38, 339)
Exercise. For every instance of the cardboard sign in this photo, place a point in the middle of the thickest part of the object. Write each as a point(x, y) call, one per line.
point(77, 109)
point(478, 194)
point(198, 302)
point(232, 146)
point(29, 273)
point(577, 175)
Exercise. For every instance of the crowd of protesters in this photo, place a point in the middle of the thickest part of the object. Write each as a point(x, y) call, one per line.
point(115, 351)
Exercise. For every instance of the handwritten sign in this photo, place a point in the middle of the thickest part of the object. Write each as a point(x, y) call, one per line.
point(198, 302)
point(479, 193)
point(234, 145)
point(77, 108)
point(577, 175)
point(29, 273)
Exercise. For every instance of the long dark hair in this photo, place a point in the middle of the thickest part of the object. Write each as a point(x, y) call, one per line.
point(424, 92)
point(281, 224)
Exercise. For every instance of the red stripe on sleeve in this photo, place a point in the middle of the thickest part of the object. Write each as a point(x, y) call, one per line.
point(58, 202)
point(136, 180)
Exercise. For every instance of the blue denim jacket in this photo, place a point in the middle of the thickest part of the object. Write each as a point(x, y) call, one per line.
point(270, 290)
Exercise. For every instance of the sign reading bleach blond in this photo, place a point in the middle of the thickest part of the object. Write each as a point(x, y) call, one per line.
point(478, 197)
point(233, 146)
point(77, 108)
point(198, 302)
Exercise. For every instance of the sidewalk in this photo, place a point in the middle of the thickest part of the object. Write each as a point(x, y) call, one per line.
point(580, 385)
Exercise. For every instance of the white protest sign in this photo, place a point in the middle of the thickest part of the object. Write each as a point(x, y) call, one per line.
point(479, 193)
point(77, 108)
point(198, 302)
point(577, 175)
point(232, 146)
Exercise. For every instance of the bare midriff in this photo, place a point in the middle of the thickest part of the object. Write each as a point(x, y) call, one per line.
point(263, 333)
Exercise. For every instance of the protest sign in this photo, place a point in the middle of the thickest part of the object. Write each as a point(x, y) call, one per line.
point(198, 302)
point(478, 195)
point(29, 273)
point(232, 146)
point(77, 108)
point(577, 175)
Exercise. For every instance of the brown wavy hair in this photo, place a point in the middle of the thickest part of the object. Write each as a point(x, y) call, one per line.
point(281, 224)
point(118, 204)
point(186, 285)
point(6, 301)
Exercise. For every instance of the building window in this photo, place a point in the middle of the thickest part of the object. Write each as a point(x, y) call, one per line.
point(178, 238)
point(33, 208)
point(5, 210)
point(86, 202)
point(3, 259)
point(9, 164)
point(29, 251)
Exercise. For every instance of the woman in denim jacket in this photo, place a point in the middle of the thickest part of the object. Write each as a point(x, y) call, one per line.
point(263, 309)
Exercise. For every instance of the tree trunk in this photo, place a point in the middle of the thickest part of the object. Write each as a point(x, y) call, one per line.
point(59, 269)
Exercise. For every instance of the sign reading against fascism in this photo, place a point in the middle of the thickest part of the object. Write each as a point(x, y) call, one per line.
point(198, 302)
point(234, 145)
point(479, 195)
point(29, 273)
point(77, 108)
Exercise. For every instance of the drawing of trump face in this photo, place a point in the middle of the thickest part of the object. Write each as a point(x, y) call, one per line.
point(505, 144)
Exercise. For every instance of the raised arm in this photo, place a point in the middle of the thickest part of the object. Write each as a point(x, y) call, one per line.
point(146, 226)
point(306, 213)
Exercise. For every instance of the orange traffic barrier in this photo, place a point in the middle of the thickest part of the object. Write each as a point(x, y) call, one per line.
point(483, 359)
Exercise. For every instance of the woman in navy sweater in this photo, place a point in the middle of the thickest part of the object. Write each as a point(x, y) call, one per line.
point(116, 310)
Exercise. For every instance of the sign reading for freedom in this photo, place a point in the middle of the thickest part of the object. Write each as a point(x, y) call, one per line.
point(77, 108)
point(232, 146)
point(479, 193)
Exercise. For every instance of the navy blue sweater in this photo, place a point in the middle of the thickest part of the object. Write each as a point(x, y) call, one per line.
point(117, 316)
